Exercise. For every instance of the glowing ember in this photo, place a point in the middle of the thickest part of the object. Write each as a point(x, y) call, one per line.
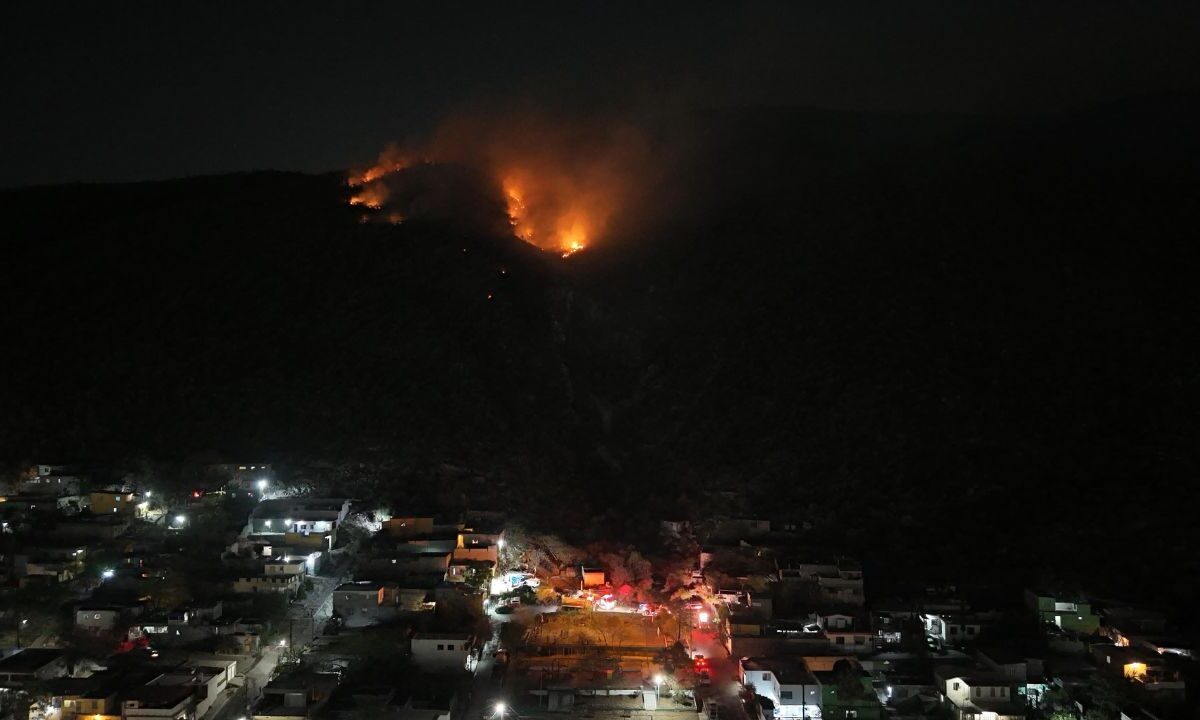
point(515, 201)
point(371, 196)
point(390, 160)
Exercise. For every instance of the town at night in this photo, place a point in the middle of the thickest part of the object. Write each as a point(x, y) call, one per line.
point(672, 361)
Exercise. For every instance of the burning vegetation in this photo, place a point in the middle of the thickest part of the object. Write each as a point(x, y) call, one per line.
point(559, 190)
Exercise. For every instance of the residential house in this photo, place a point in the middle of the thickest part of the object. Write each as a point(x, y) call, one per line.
point(980, 694)
point(847, 691)
point(744, 622)
point(264, 583)
point(413, 594)
point(1155, 673)
point(901, 677)
point(206, 685)
point(302, 517)
point(424, 698)
point(383, 558)
point(407, 527)
point(285, 565)
point(837, 582)
point(98, 700)
point(441, 652)
point(1067, 611)
point(159, 702)
point(106, 617)
point(592, 576)
point(205, 611)
point(117, 501)
point(298, 695)
point(1026, 673)
point(355, 599)
point(56, 480)
point(48, 563)
point(787, 683)
point(956, 628)
point(852, 632)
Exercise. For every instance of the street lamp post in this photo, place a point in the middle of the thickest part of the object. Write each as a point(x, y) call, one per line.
point(19, 626)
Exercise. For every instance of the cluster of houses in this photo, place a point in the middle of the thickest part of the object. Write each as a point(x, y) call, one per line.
point(412, 561)
point(811, 646)
point(155, 660)
point(167, 657)
point(168, 690)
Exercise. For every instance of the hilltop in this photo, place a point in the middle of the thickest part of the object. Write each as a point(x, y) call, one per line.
point(973, 326)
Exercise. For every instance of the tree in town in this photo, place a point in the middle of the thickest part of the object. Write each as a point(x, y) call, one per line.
point(849, 681)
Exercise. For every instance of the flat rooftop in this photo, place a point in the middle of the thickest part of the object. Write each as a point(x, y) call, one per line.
point(29, 660)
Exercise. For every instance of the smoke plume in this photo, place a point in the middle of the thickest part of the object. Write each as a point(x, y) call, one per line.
point(561, 184)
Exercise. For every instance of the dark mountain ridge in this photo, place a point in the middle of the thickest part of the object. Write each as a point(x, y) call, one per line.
point(912, 331)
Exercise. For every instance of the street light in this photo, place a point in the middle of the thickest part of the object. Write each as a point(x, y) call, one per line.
point(262, 484)
point(658, 681)
point(499, 710)
point(23, 623)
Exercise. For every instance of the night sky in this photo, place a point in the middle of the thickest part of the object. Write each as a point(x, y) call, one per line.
point(127, 91)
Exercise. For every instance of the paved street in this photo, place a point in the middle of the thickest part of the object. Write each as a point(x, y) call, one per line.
point(308, 617)
point(725, 687)
point(484, 691)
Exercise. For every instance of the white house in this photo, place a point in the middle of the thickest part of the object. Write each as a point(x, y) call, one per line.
point(954, 628)
point(299, 515)
point(988, 696)
point(787, 683)
point(104, 618)
point(441, 652)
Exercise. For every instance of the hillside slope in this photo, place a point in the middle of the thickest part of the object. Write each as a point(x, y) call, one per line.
point(910, 331)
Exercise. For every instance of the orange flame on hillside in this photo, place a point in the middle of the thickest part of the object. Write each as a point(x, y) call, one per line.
point(561, 185)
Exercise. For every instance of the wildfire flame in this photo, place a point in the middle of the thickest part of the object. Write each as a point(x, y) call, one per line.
point(560, 184)
point(565, 231)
